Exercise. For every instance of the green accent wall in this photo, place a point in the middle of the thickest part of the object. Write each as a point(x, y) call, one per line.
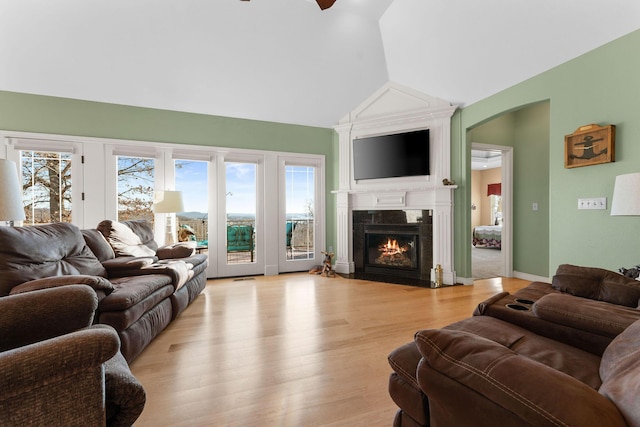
point(46, 114)
point(602, 87)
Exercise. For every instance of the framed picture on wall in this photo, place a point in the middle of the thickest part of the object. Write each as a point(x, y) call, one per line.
point(590, 145)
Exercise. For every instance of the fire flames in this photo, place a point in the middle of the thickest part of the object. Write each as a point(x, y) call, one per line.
point(392, 253)
point(391, 248)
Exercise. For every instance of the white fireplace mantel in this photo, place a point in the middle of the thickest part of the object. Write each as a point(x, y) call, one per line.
point(394, 109)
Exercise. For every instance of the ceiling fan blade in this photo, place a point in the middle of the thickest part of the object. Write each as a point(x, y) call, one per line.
point(325, 4)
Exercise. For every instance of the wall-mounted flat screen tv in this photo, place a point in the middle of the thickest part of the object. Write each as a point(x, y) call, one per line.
point(387, 156)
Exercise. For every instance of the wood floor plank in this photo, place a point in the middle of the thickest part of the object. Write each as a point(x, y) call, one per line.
point(292, 350)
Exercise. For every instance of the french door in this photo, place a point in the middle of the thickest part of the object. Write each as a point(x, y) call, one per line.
point(240, 216)
point(51, 174)
point(301, 215)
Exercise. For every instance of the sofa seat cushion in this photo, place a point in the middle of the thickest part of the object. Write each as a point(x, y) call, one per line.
point(129, 291)
point(586, 314)
point(620, 371)
point(579, 364)
point(35, 252)
point(124, 240)
point(598, 284)
point(132, 298)
point(179, 271)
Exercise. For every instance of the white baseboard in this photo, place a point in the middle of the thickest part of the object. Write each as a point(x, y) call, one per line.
point(516, 274)
point(531, 277)
point(464, 280)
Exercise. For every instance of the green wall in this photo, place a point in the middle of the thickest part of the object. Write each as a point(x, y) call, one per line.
point(602, 87)
point(45, 114)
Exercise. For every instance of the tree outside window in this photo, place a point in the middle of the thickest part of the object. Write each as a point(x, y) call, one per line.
point(135, 188)
point(46, 185)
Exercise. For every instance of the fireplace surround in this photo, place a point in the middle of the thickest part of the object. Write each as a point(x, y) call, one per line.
point(395, 109)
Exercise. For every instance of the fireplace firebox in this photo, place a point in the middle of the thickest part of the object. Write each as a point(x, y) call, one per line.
point(392, 249)
point(393, 246)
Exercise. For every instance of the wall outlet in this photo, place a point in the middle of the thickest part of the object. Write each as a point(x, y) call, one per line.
point(592, 203)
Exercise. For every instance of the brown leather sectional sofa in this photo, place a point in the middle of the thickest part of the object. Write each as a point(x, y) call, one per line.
point(565, 353)
point(141, 288)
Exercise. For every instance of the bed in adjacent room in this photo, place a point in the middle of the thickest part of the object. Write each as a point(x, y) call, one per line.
point(488, 236)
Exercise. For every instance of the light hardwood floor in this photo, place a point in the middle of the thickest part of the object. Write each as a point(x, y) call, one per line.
point(292, 350)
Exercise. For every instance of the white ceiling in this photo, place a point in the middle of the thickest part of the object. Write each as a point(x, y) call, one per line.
point(286, 60)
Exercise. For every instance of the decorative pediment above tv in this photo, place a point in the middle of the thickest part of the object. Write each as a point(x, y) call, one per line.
point(389, 156)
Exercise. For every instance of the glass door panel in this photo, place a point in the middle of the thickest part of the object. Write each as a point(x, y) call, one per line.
point(136, 177)
point(46, 182)
point(300, 214)
point(192, 179)
point(240, 215)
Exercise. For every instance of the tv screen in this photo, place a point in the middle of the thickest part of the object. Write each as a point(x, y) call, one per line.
point(387, 156)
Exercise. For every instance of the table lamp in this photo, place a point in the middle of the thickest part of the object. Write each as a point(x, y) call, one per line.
point(11, 207)
point(626, 195)
point(168, 202)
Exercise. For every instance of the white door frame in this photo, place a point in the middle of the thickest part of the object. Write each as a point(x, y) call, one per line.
point(507, 203)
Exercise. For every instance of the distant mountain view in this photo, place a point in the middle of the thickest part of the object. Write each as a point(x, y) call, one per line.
point(237, 216)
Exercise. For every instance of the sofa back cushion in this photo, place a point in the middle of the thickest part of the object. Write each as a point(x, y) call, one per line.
point(620, 373)
point(98, 244)
point(35, 252)
point(598, 284)
point(129, 238)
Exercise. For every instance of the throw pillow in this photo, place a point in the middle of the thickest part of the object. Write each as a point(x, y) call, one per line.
point(123, 240)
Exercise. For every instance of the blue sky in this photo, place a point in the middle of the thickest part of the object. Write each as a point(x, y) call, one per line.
point(191, 179)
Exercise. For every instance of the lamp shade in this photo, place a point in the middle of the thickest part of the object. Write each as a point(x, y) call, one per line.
point(626, 195)
point(11, 208)
point(168, 202)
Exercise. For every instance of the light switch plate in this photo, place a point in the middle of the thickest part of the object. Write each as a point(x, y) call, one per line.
point(595, 203)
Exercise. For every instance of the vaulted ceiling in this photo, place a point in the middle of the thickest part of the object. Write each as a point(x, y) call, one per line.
point(287, 60)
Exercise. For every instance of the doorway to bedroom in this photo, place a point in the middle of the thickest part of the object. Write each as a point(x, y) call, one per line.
point(490, 204)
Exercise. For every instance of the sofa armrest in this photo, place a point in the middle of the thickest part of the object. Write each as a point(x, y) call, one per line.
point(127, 265)
point(43, 314)
point(471, 380)
point(481, 308)
point(125, 396)
point(594, 316)
point(100, 285)
point(58, 381)
point(177, 250)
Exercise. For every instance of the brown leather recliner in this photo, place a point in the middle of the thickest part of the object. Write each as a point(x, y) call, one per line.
point(559, 354)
